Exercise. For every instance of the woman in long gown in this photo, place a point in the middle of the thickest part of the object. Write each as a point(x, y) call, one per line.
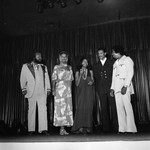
point(83, 120)
point(62, 78)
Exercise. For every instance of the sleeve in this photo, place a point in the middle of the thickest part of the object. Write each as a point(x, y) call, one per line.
point(95, 71)
point(72, 78)
point(113, 77)
point(23, 78)
point(130, 71)
point(54, 74)
point(77, 78)
point(47, 79)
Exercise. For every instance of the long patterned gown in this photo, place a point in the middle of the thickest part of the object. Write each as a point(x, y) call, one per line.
point(63, 114)
point(84, 112)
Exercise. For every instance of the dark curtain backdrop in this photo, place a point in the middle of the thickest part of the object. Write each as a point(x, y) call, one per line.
point(134, 35)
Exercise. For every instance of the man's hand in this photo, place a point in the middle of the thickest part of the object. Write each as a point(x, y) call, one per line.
point(54, 92)
point(48, 92)
point(24, 92)
point(112, 93)
point(123, 90)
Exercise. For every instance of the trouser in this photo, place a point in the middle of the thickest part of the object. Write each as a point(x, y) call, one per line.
point(108, 107)
point(42, 113)
point(125, 113)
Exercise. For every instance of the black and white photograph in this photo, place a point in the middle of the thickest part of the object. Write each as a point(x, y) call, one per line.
point(75, 74)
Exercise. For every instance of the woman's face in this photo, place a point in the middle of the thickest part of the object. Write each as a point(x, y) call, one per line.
point(84, 63)
point(63, 58)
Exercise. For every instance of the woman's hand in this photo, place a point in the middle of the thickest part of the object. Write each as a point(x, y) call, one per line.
point(81, 71)
point(90, 83)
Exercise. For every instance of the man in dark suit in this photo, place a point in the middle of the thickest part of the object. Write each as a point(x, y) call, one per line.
point(103, 77)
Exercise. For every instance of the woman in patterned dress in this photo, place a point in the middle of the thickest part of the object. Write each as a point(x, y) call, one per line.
point(62, 78)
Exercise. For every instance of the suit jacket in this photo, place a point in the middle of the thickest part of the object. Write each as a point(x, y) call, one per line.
point(123, 71)
point(103, 76)
point(27, 79)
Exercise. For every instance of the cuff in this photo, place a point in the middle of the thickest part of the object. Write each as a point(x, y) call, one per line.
point(24, 89)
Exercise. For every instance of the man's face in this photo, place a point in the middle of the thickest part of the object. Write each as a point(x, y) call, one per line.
point(101, 54)
point(63, 58)
point(38, 57)
point(115, 55)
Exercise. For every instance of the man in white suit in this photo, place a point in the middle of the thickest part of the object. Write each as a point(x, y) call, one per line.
point(35, 85)
point(122, 88)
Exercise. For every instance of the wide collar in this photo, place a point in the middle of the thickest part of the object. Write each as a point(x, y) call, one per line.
point(31, 68)
point(121, 60)
point(100, 63)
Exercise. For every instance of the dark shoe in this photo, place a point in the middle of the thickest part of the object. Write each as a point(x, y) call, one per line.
point(44, 133)
point(121, 133)
point(131, 132)
point(31, 133)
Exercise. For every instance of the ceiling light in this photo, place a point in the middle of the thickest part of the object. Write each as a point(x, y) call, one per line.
point(50, 3)
point(39, 7)
point(100, 1)
point(63, 3)
point(78, 1)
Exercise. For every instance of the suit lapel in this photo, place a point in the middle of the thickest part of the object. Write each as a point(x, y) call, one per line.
point(100, 64)
point(31, 68)
point(104, 63)
point(43, 68)
point(121, 61)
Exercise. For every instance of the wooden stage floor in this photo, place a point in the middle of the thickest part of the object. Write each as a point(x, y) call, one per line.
point(76, 138)
point(139, 141)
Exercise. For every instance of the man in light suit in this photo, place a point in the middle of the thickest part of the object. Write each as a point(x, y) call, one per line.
point(122, 88)
point(35, 85)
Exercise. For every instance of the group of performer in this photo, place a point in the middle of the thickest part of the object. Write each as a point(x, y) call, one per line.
point(111, 80)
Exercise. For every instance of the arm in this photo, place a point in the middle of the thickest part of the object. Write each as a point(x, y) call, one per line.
point(130, 72)
point(113, 80)
point(72, 78)
point(23, 79)
point(95, 76)
point(47, 80)
point(113, 77)
point(54, 80)
point(77, 78)
point(92, 78)
point(54, 87)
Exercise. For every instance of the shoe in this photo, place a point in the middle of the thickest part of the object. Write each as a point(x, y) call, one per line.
point(30, 133)
point(88, 131)
point(121, 133)
point(44, 133)
point(131, 132)
point(63, 132)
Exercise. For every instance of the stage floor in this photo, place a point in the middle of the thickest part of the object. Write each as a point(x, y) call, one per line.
point(139, 141)
point(76, 138)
